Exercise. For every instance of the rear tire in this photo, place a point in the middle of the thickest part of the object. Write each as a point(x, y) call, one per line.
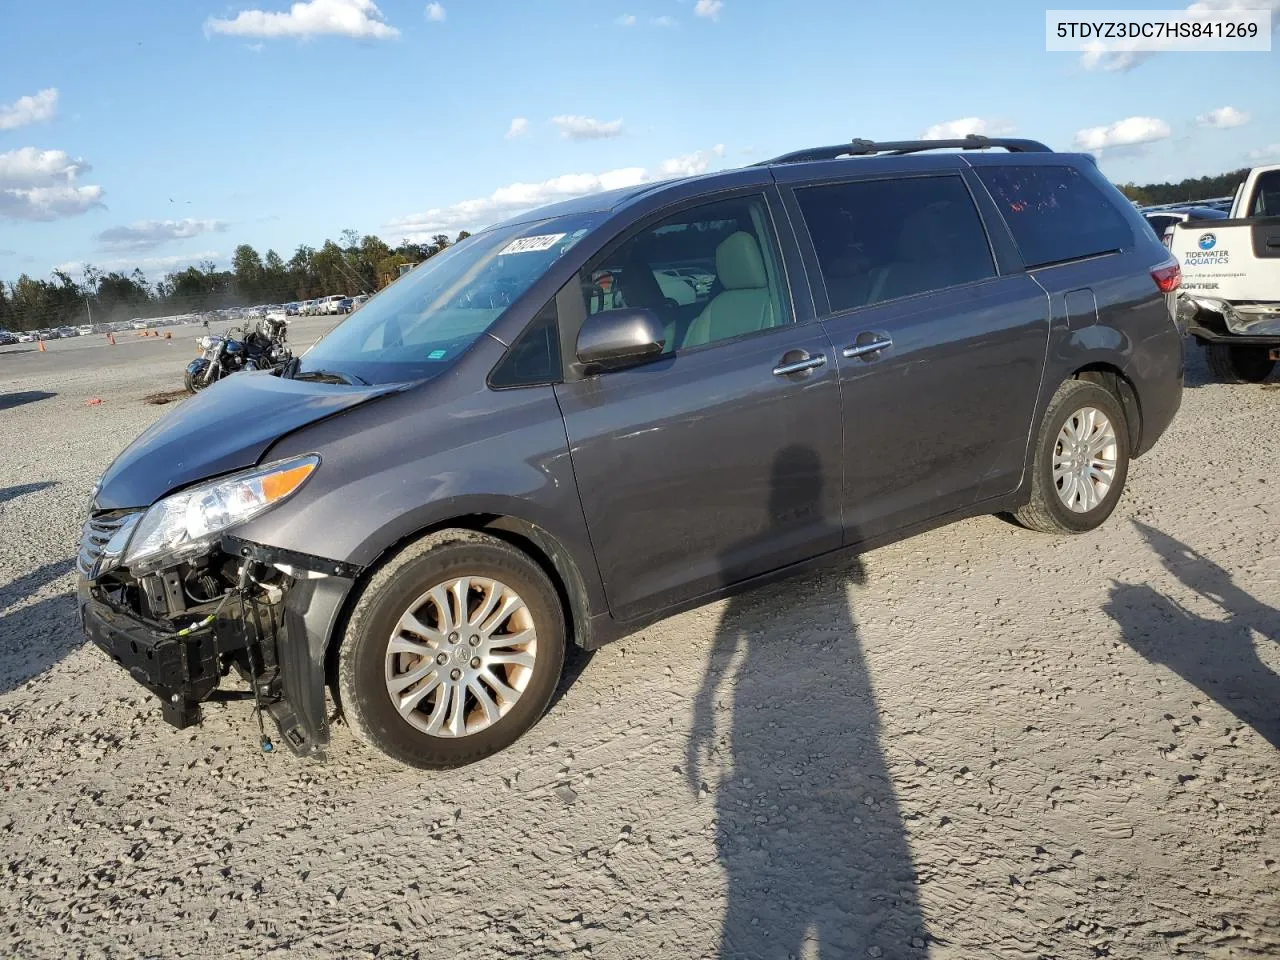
point(1238, 363)
point(483, 676)
point(1084, 426)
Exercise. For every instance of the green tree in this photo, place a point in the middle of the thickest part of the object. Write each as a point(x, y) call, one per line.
point(247, 268)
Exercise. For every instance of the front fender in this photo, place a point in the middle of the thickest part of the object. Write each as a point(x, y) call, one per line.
point(421, 461)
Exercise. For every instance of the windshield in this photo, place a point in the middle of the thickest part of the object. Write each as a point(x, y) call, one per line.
point(422, 323)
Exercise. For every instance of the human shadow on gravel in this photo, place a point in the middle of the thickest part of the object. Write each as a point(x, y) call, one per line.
point(1217, 656)
point(21, 489)
point(10, 400)
point(808, 828)
point(35, 637)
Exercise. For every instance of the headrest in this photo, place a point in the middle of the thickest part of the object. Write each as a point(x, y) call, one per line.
point(739, 264)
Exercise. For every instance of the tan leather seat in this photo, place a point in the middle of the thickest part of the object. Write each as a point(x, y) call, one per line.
point(745, 304)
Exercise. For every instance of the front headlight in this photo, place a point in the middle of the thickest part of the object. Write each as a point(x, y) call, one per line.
point(186, 523)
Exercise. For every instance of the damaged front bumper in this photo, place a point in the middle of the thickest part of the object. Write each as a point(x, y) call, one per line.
point(271, 624)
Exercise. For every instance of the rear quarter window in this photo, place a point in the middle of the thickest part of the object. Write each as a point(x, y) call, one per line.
point(1055, 213)
point(880, 240)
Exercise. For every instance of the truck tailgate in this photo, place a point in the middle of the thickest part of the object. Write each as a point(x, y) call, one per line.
point(1234, 260)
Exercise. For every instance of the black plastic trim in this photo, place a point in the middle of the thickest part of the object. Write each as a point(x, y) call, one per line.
point(262, 553)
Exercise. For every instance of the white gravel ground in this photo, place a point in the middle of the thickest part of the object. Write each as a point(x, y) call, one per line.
point(978, 743)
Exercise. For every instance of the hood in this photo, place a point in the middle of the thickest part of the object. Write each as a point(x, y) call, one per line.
point(227, 426)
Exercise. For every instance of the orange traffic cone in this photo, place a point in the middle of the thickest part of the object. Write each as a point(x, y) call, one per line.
point(41, 342)
point(111, 339)
point(168, 334)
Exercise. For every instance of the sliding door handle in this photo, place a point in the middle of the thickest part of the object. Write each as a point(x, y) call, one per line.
point(871, 346)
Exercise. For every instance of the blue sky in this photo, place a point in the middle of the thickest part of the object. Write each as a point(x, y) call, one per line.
point(157, 132)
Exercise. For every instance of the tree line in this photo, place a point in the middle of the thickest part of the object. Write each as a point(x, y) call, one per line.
point(349, 266)
point(1193, 188)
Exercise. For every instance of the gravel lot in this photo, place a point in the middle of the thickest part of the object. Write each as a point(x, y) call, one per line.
point(982, 742)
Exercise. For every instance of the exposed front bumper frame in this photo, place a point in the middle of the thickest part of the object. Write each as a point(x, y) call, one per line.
point(285, 646)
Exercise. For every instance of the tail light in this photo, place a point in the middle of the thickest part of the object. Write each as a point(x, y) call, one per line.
point(1167, 275)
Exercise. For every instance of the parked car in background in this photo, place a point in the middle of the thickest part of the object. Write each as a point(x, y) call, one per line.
point(331, 304)
point(7, 338)
point(359, 301)
point(1163, 218)
point(1230, 298)
point(308, 308)
point(292, 309)
point(27, 338)
point(345, 305)
point(494, 461)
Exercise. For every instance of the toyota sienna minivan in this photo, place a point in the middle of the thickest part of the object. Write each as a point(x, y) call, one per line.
point(528, 443)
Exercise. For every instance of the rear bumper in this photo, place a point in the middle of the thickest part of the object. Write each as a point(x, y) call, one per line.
point(1214, 320)
point(1157, 371)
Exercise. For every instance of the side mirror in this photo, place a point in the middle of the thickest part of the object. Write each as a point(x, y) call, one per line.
point(619, 336)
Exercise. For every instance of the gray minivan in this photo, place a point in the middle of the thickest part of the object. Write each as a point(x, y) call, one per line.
point(527, 443)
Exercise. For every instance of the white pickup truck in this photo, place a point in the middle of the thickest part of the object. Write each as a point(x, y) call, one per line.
point(1230, 295)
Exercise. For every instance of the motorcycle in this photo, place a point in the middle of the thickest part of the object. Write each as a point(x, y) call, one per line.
point(264, 347)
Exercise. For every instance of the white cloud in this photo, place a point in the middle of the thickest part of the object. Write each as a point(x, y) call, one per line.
point(1123, 133)
point(1265, 154)
point(627, 20)
point(1096, 57)
point(1117, 61)
point(691, 164)
point(709, 8)
point(519, 127)
point(145, 234)
point(959, 129)
point(42, 185)
point(519, 197)
point(1223, 118)
point(33, 109)
point(435, 12)
point(309, 18)
point(145, 264)
point(663, 21)
point(587, 128)
point(29, 167)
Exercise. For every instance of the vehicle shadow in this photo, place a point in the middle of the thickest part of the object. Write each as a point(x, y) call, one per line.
point(35, 637)
point(1217, 656)
point(786, 738)
point(10, 400)
point(21, 489)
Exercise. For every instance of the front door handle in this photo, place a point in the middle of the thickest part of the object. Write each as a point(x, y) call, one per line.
point(788, 367)
point(871, 346)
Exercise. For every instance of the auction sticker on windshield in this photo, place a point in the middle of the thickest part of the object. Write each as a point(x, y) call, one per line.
point(541, 242)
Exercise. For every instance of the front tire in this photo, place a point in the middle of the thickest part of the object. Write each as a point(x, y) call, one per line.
point(1080, 463)
point(195, 382)
point(452, 652)
point(1239, 363)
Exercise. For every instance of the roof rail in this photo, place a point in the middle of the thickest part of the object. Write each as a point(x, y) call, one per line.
point(897, 148)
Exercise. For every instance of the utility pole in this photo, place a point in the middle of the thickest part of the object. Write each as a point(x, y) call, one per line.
point(88, 310)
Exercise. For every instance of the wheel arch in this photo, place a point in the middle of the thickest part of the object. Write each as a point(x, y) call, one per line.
point(1112, 379)
point(534, 541)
